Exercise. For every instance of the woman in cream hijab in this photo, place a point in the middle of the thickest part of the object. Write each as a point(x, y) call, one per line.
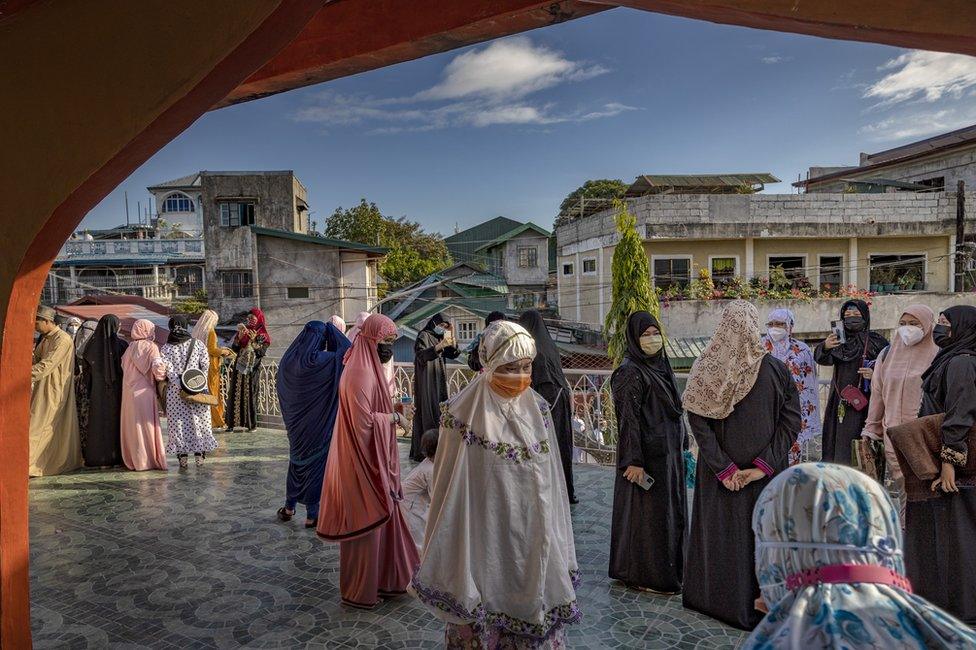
point(204, 332)
point(499, 565)
point(744, 412)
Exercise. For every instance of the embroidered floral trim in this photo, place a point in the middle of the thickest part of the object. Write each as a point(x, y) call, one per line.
point(576, 577)
point(515, 453)
point(553, 620)
point(953, 457)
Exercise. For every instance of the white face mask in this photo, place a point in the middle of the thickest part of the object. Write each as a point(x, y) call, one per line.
point(910, 335)
point(777, 333)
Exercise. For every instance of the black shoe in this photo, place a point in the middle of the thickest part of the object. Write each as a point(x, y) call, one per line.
point(573, 501)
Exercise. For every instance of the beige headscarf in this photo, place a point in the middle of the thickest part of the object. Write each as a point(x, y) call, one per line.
point(727, 369)
point(201, 331)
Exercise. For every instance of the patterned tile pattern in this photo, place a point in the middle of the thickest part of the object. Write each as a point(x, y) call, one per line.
point(196, 559)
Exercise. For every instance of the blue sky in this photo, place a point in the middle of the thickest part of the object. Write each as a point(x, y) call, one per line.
point(511, 126)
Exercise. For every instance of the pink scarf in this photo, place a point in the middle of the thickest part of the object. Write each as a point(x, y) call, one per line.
point(142, 351)
point(898, 377)
point(363, 470)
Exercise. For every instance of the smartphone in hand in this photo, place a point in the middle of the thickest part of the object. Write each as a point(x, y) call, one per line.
point(646, 482)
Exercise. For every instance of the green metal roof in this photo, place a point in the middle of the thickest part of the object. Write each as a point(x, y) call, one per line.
point(514, 232)
point(463, 245)
point(321, 241)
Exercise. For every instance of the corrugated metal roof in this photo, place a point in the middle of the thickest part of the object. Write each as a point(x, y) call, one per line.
point(652, 183)
point(463, 245)
point(128, 314)
point(189, 180)
point(514, 232)
point(321, 241)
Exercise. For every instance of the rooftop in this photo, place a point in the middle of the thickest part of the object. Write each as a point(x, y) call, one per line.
point(698, 183)
point(463, 245)
point(514, 232)
point(198, 559)
point(321, 241)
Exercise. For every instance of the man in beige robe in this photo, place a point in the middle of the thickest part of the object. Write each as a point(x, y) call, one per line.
point(55, 444)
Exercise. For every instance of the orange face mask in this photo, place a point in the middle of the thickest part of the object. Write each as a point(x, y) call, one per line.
point(510, 386)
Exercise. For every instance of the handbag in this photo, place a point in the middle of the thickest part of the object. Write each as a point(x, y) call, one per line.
point(193, 385)
point(918, 445)
point(869, 457)
point(851, 394)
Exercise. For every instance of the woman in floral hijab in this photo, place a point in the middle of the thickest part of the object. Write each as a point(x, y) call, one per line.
point(780, 343)
point(830, 566)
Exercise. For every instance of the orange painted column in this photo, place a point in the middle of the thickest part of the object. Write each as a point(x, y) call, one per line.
point(84, 110)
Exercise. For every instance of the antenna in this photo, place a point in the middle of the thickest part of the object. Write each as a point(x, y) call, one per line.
point(126, 196)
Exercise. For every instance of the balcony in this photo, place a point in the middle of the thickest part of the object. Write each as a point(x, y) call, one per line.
point(128, 249)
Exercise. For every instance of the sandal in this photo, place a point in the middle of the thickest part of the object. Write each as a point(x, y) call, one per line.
point(311, 523)
point(284, 515)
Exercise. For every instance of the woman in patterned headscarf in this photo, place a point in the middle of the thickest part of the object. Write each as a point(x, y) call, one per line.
point(830, 567)
point(250, 345)
point(745, 415)
point(780, 343)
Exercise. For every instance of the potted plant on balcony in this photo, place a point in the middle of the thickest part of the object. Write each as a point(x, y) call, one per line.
point(907, 281)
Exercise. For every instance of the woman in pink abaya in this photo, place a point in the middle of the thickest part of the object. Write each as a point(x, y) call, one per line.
point(361, 490)
point(142, 437)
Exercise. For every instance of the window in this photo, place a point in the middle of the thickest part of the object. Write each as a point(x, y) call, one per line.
point(831, 271)
point(528, 257)
point(236, 284)
point(672, 271)
point(589, 266)
point(722, 269)
point(567, 269)
point(937, 183)
point(178, 202)
point(234, 214)
point(298, 292)
point(467, 330)
point(897, 272)
point(793, 265)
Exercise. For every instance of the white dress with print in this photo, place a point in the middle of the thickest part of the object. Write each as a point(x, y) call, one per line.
point(189, 428)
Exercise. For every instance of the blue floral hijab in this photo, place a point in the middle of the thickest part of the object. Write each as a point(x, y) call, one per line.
point(814, 515)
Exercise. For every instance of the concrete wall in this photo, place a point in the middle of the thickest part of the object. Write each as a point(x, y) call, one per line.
point(517, 276)
point(700, 317)
point(284, 263)
point(227, 248)
point(191, 222)
point(752, 227)
point(957, 166)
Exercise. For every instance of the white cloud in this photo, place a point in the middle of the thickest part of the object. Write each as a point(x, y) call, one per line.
point(773, 60)
point(919, 124)
point(929, 76)
point(482, 87)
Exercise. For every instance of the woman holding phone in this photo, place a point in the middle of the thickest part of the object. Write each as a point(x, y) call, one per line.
point(649, 496)
point(843, 418)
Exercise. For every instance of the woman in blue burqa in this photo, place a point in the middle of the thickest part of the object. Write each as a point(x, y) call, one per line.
point(308, 384)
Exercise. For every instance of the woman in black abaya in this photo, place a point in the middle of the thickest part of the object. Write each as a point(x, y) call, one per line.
point(103, 358)
point(549, 381)
point(744, 411)
point(648, 529)
point(842, 423)
point(939, 551)
point(435, 343)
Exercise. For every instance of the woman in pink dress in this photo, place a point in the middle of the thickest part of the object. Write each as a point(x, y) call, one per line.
point(361, 490)
point(142, 437)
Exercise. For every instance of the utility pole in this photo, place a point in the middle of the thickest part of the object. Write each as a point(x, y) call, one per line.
point(126, 196)
point(962, 251)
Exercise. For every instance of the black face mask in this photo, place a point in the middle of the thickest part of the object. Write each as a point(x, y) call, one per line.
point(385, 350)
point(854, 324)
point(942, 335)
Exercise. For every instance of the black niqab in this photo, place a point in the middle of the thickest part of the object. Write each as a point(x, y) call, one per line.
point(856, 342)
point(179, 329)
point(657, 368)
point(546, 367)
point(104, 349)
point(84, 335)
point(962, 340)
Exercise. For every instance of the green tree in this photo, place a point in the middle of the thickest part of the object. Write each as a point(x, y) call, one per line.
point(193, 305)
point(631, 283)
point(414, 254)
point(603, 188)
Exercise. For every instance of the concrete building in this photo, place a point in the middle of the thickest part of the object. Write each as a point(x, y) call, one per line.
point(934, 164)
point(517, 253)
point(260, 254)
point(131, 260)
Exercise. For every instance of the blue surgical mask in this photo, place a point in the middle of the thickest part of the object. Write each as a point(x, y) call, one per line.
point(439, 331)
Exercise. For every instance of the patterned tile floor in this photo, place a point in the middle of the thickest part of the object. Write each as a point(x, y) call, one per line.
point(196, 559)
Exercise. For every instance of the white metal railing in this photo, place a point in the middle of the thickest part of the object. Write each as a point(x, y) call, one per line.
point(190, 246)
point(592, 403)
